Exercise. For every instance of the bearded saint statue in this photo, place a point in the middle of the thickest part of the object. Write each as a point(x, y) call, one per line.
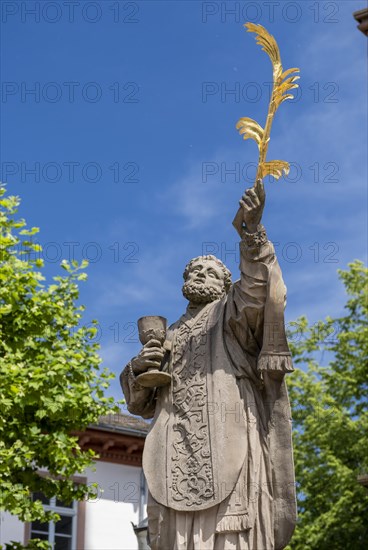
point(218, 456)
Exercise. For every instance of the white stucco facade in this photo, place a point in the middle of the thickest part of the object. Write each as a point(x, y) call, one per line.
point(10, 528)
point(120, 501)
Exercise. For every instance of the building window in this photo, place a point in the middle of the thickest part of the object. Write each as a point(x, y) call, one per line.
point(62, 535)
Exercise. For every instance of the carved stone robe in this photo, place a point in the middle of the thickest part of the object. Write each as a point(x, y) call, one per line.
point(218, 456)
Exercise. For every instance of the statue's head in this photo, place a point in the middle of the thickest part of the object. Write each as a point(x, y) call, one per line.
point(206, 279)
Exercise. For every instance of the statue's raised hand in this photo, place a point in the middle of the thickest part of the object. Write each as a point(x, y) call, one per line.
point(252, 203)
point(150, 356)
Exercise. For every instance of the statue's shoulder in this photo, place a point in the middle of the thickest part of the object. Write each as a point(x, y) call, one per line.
point(177, 323)
point(233, 291)
point(235, 285)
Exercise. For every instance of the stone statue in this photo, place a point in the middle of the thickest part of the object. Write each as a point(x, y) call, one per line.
point(218, 456)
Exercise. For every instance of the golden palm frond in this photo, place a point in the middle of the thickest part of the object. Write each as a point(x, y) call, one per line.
point(274, 168)
point(288, 84)
point(288, 72)
point(249, 128)
point(280, 99)
point(284, 85)
point(283, 82)
point(268, 44)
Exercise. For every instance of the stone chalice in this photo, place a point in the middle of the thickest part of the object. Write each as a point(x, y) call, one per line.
point(152, 327)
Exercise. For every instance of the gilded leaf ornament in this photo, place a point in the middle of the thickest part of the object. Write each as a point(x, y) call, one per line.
point(283, 83)
point(274, 168)
point(268, 44)
point(249, 128)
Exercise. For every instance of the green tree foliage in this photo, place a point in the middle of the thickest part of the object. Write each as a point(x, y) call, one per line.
point(330, 416)
point(51, 383)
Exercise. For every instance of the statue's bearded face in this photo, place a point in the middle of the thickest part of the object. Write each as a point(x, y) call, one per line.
point(204, 282)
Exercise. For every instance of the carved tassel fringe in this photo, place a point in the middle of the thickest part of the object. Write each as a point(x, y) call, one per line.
point(275, 362)
point(233, 524)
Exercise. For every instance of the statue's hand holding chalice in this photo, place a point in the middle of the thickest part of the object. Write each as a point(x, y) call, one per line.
point(147, 364)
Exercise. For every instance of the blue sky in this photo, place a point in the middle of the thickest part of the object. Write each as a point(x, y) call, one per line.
point(137, 166)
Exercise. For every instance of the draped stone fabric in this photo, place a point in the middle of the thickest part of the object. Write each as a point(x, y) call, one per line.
point(218, 456)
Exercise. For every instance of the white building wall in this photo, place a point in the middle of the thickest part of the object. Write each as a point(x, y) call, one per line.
point(109, 516)
point(11, 528)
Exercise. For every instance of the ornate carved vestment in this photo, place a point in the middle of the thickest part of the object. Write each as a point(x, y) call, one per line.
point(191, 471)
point(189, 459)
